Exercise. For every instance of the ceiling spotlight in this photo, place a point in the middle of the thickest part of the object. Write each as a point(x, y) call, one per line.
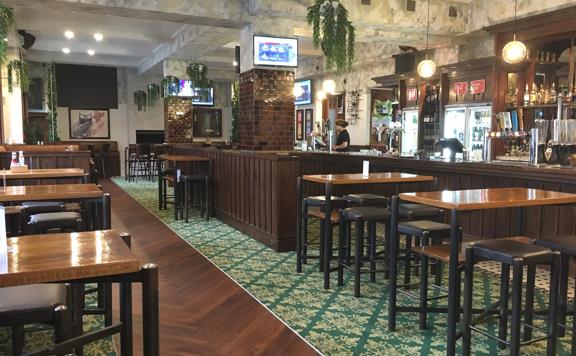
point(68, 34)
point(329, 86)
point(235, 63)
point(90, 52)
point(98, 37)
point(66, 50)
point(5, 39)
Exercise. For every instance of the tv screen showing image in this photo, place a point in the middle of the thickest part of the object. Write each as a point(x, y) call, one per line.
point(306, 97)
point(275, 51)
point(199, 96)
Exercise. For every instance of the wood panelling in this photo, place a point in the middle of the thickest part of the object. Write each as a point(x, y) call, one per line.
point(47, 160)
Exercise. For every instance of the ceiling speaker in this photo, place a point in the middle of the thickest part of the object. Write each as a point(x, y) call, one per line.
point(27, 40)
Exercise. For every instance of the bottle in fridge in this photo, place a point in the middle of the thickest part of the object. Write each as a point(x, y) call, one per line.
point(409, 142)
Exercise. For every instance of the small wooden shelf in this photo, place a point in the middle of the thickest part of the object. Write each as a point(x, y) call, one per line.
point(542, 106)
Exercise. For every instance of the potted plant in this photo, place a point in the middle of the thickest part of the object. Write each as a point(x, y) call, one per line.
point(6, 21)
point(198, 75)
point(52, 102)
point(140, 100)
point(235, 102)
point(153, 94)
point(333, 32)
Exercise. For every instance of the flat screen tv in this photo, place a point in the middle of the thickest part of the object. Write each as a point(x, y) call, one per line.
point(149, 136)
point(86, 87)
point(306, 97)
point(275, 51)
point(199, 96)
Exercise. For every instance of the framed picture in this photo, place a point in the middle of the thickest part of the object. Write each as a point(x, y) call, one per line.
point(89, 123)
point(309, 121)
point(299, 124)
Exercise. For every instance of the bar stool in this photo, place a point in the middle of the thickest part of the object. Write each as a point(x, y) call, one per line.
point(194, 183)
point(360, 215)
point(367, 199)
point(427, 233)
point(64, 220)
point(566, 246)
point(29, 208)
point(517, 255)
point(410, 211)
point(319, 202)
point(166, 175)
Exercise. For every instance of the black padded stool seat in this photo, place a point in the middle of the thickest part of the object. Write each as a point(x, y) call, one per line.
point(366, 214)
point(418, 211)
point(509, 251)
point(35, 207)
point(367, 199)
point(168, 172)
point(566, 244)
point(320, 200)
point(62, 220)
point(420, 227)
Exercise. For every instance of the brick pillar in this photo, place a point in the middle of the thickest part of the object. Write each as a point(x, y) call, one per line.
point(266, 110)
point(178, 120)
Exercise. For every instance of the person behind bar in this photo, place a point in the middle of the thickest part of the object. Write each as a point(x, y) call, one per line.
point(343, 139)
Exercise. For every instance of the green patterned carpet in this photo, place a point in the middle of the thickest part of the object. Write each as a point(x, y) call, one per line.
point(38, 336)
point(334, 321)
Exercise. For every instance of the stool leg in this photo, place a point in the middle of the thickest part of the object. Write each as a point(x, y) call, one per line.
point(300, 251)
point(359, 242)
point(516, 309)
point(416, 270)
point(553, 304)
point(423, 287)
point(17, 339)
point(503, 319)
point(372, 238)
point(563, 293)
point(468, 285)
point(407, 261)
point(387, 249)
point(322, 246)
point(529, 308)
point(342, 248)
point(348, 244)
point(186, 199)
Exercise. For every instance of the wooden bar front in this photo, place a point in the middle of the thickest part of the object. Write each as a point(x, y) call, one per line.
point(256, 192)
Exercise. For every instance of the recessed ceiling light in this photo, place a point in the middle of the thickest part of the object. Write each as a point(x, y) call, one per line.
point(66, 50)
point(68, 34)
point(98, 37)
point(5, 39)
point(235, 63)
point(90, 52)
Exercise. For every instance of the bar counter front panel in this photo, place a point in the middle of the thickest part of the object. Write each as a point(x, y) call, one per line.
point(256, 191)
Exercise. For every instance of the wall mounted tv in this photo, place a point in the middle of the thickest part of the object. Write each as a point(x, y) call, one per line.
point(199, 96)
point(306, 97)
point(82, 87)
point(275, 51)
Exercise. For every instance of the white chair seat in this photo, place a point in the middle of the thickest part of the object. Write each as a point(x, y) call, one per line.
point(32, 296)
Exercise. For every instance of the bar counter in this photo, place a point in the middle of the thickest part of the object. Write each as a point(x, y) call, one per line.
point(256, 191)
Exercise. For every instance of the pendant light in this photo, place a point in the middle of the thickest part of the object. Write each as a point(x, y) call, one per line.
point(514, 51)
point(427, 67)
point(329, 86)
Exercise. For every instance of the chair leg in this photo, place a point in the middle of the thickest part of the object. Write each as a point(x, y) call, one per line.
point(573, 352)
point(17, 340)
point(321, 247)
point(563, 293)
point(372, 238)
point(343, 227)
point(553, 304)
point(358, 255)
point(529, 302)
point(467, 317)
point(303, 237)
point(407, 261)
point(423, 287)
point(503, 319)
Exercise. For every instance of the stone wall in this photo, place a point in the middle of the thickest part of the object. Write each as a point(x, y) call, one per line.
point(266, 110)
point(178, 120)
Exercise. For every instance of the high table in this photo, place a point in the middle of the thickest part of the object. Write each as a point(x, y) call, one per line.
point(89, 193)
point(87, 257)
point(457, 201)
point(189, 160)
point(329, 180)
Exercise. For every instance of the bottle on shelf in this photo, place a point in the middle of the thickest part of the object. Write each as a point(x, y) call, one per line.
point(14, 161)
point(527, 96)
point(21, 158)
point(553, 94)
point(533, 95)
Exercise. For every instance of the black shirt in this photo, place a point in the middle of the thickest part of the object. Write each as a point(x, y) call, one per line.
point(343, 137)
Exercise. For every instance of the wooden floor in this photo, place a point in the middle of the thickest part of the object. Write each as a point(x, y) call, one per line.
point(202, 310)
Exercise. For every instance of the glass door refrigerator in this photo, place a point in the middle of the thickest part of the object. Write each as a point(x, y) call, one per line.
point(468, 124)
point(409, 141)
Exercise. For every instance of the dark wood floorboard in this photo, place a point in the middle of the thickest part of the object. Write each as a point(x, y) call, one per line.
point(202, 311)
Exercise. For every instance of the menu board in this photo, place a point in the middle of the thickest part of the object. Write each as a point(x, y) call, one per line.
point(460, 88)
point(306, 97)
point(477, 86)
point(275, 51)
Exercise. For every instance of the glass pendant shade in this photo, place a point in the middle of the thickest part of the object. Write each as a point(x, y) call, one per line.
point(329, 86)
point(321, 95)
point(297, 91)
point(514, 51)
point(426, 68)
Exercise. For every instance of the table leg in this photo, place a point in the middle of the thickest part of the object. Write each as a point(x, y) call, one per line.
point(453, 280)
point(176, 197)
point(298, 225)
point(327, 231)
point(106, 212)
point(393, 251)
point(150, 314)
point(78, 310)
point(126, 318)
point(159, 164)
point(520, 228)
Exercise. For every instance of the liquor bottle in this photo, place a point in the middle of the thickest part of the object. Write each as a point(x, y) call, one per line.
point(526, 96)
point(574, 94)
point(14, 161)
point(553, 94)
point(546, 96)
point(533, 95)
point(539, 95)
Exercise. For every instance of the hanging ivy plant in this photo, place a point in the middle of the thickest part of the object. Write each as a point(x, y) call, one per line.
point(198, 75)
point(235, 103)
point(140, 100)
point(18, 69)
point(170, 86)
point(333, 32)
point(6, 21)
point(52, 101)
point(153, 93)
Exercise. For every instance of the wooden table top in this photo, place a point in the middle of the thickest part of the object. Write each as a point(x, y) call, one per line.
point(184, 158)
point(45, 173)
point(65, 256)
point(358, 178)
point(476, 199)
point(49, 192)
